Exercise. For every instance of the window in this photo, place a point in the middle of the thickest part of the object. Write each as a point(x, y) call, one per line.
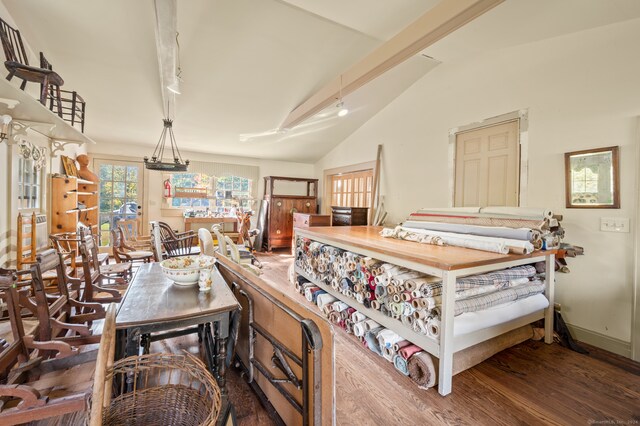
point(352, 189)
point(29, 184)
point(230, 191)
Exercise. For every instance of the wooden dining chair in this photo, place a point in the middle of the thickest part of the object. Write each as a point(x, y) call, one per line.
point(132, 235)
point(34, 388)
point(123, 253)
point(120, 272)
point(93, 276)
point(17, 63)
point(175, 244)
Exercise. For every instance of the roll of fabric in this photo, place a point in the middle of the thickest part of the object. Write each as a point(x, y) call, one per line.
point(401, 344)
point(401, 364)
point(526, 212)
point(334, 317)
point(340, 306)
point(485, 301)
point(348, 326)
point(433, 328)
point(308, 293)
point(324, 299)
point(387, 338)
point(370, 324)
point(358, 316)
point(371, 337)
point(525, 234)
point(409, 350)
point(359, 329)
point(387, 353)
point(422, 370)
point(316, 294)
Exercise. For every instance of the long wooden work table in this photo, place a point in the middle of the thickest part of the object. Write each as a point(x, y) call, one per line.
point(447, 263)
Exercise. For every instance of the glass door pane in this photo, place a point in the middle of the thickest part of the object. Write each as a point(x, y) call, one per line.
point(119, 195)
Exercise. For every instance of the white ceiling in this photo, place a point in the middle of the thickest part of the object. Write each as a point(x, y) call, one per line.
point(247, 63)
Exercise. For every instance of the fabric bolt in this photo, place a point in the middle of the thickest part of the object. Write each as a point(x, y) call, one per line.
point(358, 316)
point(496, 298)
point(401, 364)
point(387, 353)
point(315, 295)
point(340, 306)
point(308, 292)
point(433, 327)
point(503, 276)
point(401, 344)
point(371, 337)
point(407, 351)
point(359, 329)
point(422, 370)
point(525, 234)
point(324, 299)
point(387, 338)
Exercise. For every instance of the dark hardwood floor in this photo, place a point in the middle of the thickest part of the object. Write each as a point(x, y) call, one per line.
point(531, 383)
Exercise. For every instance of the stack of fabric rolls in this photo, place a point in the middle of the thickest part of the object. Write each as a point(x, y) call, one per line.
point(496, 229)
point(409, 359)
point(410, 297)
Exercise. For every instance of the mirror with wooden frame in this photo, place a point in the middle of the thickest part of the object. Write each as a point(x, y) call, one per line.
point(592, 178)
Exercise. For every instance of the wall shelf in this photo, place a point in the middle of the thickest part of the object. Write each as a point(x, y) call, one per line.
point(29, 112)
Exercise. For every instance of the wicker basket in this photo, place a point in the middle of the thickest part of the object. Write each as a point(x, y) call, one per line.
point(169, 389)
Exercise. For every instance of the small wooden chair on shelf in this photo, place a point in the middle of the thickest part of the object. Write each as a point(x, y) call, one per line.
point(122, 252)
point(17, 63)
point(34, 388)
point(132, 236)
point(174, 244)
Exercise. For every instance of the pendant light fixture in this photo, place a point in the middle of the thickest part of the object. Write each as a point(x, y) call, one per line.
point(157, 159)
point(342, 110)
point(174, 87)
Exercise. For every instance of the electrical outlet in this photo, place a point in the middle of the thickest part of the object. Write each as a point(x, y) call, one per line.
point(614, 224)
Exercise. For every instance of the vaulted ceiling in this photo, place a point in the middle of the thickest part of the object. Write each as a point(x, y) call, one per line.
point(246, 63)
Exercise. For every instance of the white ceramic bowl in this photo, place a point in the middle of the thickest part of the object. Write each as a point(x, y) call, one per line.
point(185, 270)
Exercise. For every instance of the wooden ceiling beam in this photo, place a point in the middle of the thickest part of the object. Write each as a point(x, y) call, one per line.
point(444, 18)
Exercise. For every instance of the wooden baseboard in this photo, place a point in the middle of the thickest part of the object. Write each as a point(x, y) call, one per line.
point(596, 339)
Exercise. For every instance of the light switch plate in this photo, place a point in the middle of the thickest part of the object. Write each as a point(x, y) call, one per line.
point(614, 224)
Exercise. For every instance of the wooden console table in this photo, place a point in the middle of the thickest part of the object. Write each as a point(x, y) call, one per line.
point(447, 263)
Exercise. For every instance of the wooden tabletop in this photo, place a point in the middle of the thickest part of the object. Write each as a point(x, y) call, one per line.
point(445, 258)
point(153, 298)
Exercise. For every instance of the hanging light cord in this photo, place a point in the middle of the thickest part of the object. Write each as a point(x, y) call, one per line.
point(179, 72)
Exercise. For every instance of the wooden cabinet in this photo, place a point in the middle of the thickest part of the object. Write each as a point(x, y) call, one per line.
point(73, 200)
point(278, 230)
point(349, 216)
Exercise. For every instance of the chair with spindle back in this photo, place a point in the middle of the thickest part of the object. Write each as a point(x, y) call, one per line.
point(176, 244)
point(132, 235)
point(17, 63)
point(122, 252)
point(93, 277)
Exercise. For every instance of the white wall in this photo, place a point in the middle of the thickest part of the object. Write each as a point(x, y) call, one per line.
point(153, 184)
point(582, 91)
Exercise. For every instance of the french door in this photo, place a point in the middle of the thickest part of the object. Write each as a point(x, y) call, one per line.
point(121, 184)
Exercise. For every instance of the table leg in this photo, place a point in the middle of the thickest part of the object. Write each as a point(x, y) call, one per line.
point(445, 371)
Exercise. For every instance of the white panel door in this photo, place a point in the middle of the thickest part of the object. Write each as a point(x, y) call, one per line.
point(487, 169)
